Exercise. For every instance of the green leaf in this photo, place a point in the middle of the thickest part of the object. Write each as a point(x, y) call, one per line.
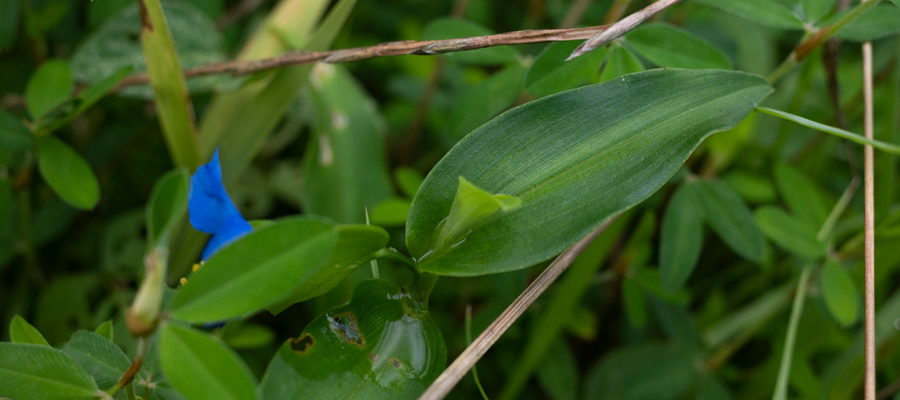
point(112, 48)
point(409, 180)
point(788, 232)
point(551, 73)
point(766, 12)
point(471, 206)
point(99, 356)
point(754, 188)
point(634, 303)
point(671, 47)
point(167, 204)
point(839, 293)
point(815, 9)
point(49, 87)
point(346, 166)
point(201, 367)
point(558, 374)
point(13, 135)
point(67, 173)
point(63, 114)
point(619, 61)
point(681, 239)
point(571, 169)
point(105, 330)
point(391, 212)
point(38, 372)
point(354, 245)
point(802, 196)
point(638, 372)
point(880, 21)
point(729, 217)
point(255, 271)
point(20, 331)
point(247, 336)
point(381, 345)
point(485, 100)
point(453, 28)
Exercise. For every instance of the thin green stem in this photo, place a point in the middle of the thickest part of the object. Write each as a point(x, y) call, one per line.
point(838, 209)
point(784, 371)
point(468, 342)
point(810, 42)
point(883, 146)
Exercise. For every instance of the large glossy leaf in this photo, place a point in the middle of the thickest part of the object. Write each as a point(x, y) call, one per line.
point(668, 46)
point(68, 173)
point(255, 271)
point(486, 99)
point(381, 345)
point(729, 217)
point(346, 166)
point(681, 239)
point(790, 233)
point(647, 371)
point(767, 12)
point(112, 47)
point(37, 372)
point(275, 266)
point(99, 356)
point(355, 245)
point(13, 135)
point(20, 331)
point(551, 73)
point(201, 367)
point(574, 159)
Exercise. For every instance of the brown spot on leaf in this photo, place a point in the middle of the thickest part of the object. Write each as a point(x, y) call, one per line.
point(146, 23)
point(301, 344)
point(373, 357)
point(345, 325)
point(396, 362)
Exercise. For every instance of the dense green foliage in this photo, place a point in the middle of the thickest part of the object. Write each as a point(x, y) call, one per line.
point(732, 268)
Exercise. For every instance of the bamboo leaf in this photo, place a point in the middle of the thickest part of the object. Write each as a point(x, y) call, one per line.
point(671, 47)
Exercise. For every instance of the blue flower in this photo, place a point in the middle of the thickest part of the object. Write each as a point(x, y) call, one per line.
point(212, 211)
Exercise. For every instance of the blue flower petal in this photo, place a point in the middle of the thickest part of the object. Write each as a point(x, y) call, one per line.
point(211, 210)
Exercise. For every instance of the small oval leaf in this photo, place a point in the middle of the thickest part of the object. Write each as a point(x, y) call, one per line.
point(681, 239)
point(49, 87)
point(839, 293)
point(790, 233)
point(670, 47)
point(729, 217)
point(68, 173)
point(13, 135)
point(574, 159)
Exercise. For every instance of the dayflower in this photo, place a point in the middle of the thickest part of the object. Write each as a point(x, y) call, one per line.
point(212, 211)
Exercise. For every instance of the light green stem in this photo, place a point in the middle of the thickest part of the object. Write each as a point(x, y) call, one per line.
point(784, 371)
point(176, 114)
point(885, 147)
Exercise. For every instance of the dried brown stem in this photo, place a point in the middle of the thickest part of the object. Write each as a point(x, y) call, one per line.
point(622, 27)
point(409, 47)
point(452, 375)
point(869, 173)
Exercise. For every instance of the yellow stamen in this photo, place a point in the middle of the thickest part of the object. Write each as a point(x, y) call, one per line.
point(183, 281)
